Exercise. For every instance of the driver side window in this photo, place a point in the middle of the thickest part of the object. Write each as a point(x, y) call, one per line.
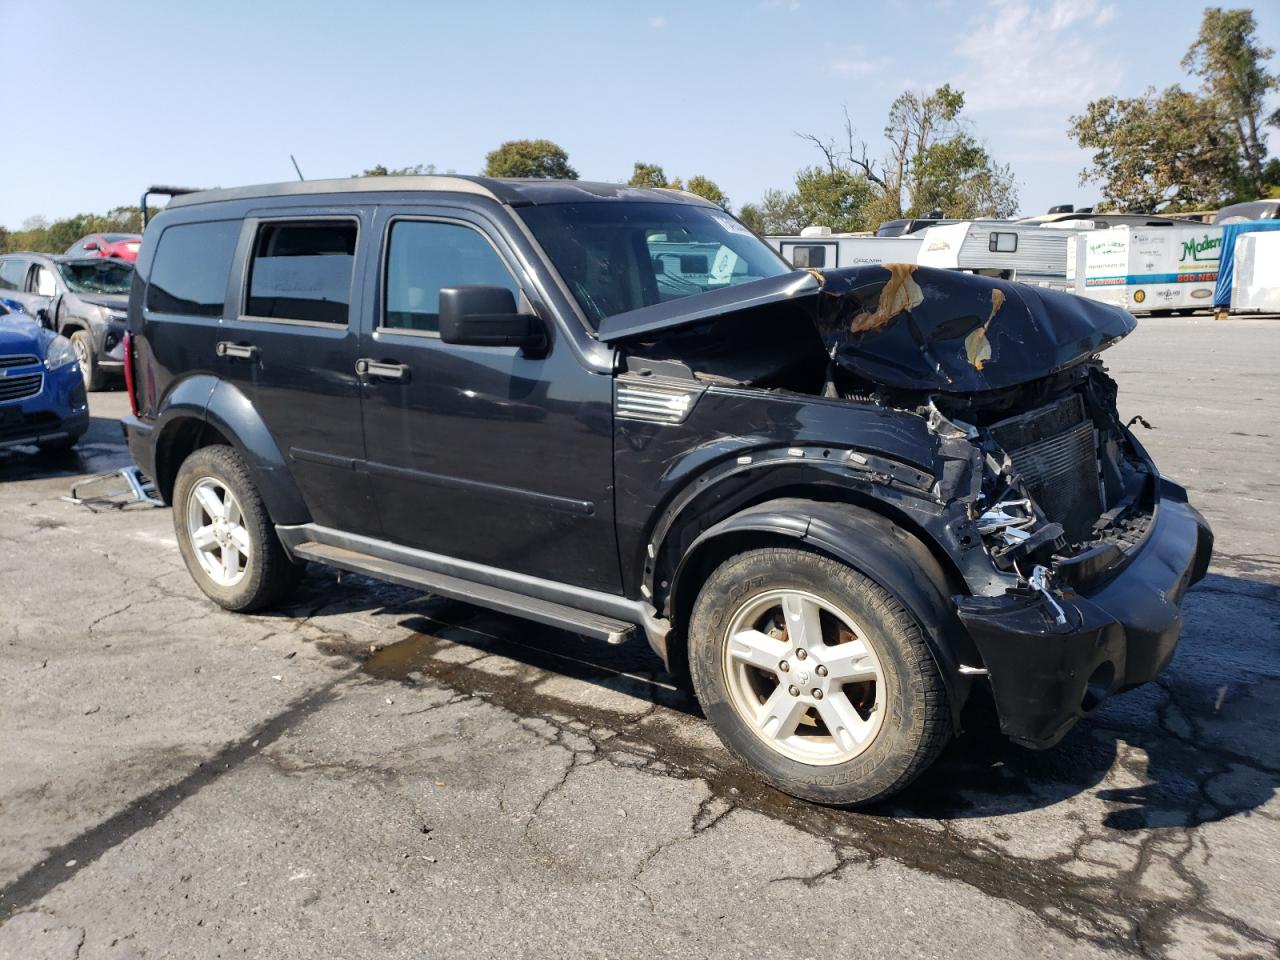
point(423, 257)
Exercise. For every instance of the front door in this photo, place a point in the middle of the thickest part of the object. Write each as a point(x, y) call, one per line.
point(488, 454)
point(291, 348)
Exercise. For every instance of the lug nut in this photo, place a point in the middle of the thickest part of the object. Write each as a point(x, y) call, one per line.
point(784, 666)
point(794, 691)
point(817, 694)
point(821, 670)
point(801, 654)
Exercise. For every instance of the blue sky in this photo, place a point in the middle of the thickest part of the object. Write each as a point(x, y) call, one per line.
point(126, 94)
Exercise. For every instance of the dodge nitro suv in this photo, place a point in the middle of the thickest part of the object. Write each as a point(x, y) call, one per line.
point(837, 503)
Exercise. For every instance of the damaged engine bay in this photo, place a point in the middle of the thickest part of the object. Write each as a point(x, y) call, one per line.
point(1029, 438)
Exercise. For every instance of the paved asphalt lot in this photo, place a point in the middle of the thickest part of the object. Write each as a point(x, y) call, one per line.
point(373, 773)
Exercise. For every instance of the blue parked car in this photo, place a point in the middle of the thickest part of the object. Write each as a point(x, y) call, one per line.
point(42, 395)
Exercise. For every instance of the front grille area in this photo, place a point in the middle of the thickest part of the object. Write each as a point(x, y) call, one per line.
point(21, 360)
point(1056, 452)
point(19, 388)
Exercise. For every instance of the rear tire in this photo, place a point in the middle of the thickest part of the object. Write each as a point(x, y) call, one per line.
point(93, 376)
point(226, 538)
point(856, 663)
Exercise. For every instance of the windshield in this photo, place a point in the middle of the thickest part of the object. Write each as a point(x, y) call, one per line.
point(620, 256)
point(97, 276)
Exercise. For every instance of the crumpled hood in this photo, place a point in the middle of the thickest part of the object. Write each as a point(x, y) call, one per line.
point(910, 327)
point(19, 334)
point(922, 328)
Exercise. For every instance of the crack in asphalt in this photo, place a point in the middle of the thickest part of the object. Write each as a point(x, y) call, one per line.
point(1106, 910)
point(62, 863)
point(1112, 911)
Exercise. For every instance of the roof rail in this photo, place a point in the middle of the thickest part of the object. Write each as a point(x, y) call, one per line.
point(162, 191)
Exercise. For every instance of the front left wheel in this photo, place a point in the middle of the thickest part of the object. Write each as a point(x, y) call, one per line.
point(225, 535)
point(816, 676)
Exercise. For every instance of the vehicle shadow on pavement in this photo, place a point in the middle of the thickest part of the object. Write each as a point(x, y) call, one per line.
point(1195, 747)
point(100, 450)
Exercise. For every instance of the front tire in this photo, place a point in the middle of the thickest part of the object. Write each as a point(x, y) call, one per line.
point(225, 535)
point(92, 373)
point(816, 677)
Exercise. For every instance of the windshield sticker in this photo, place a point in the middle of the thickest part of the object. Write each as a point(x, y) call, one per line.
point(732, 225)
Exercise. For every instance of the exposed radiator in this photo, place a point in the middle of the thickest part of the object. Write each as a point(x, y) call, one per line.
point(1056, 452)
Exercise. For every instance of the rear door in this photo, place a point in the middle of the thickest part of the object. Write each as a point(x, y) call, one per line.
point(489, 454)
point(291, 348)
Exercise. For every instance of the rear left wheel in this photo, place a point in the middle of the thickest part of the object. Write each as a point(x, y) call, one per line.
point(226, 537)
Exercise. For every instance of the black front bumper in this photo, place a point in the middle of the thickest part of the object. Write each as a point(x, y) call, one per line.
point(1044, 675)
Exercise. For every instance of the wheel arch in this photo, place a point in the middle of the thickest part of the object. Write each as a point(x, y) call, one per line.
point(204, 410)
point(877, 546)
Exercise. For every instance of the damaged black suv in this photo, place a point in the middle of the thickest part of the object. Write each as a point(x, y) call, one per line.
point(837, 503)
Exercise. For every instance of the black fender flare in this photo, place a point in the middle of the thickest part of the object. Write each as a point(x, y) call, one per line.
point(877, 548)
point(226, 409)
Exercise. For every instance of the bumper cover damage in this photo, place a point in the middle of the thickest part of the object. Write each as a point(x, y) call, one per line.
point(1046, 675)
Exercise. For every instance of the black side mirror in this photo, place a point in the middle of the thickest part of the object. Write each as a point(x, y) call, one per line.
point(486, 317)
point(43, 318)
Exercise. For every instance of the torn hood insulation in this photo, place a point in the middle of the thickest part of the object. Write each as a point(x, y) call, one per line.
point(911, 327)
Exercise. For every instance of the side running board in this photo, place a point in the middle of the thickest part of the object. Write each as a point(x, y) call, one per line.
point(495, 598)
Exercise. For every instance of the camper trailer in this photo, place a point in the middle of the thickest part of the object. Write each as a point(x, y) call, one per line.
point(998, 248)
point(1146, 269)
point(819, 249)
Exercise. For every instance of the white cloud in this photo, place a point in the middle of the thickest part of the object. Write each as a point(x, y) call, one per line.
point(1025, 54)
point(657, 22)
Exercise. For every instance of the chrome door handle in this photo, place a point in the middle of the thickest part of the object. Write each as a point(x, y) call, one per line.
point(382, 369)
point(245, 351)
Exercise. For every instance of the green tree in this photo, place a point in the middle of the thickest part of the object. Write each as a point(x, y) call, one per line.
point(1167, 151)
point(708, 190)
point(778, 212)
point(932, 161)
point(752, 217)
point(1231, 64)
point(647, 175)
point(832, 198)
point(538, 159)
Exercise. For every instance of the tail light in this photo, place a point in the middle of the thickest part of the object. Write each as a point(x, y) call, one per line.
point(128, 373)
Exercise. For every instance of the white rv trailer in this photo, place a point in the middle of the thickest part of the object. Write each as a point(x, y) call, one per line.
point(998, 248)
point(820, 249)
point(1255, 281)
point(1146, 269)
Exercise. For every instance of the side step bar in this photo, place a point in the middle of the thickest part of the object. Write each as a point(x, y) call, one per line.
point(495, 598)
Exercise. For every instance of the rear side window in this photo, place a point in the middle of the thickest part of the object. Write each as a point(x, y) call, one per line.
point(12, 274)
point(191, 266)
point(302, 271)
point(423, 258)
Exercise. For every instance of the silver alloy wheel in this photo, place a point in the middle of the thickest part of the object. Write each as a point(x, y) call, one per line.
point(215, 527)
point(804, 677)
point(82, 357)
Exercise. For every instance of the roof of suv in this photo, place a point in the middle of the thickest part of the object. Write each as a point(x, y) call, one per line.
point(512, 192)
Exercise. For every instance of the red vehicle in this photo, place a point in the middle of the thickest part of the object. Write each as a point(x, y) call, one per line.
point(121, 245)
